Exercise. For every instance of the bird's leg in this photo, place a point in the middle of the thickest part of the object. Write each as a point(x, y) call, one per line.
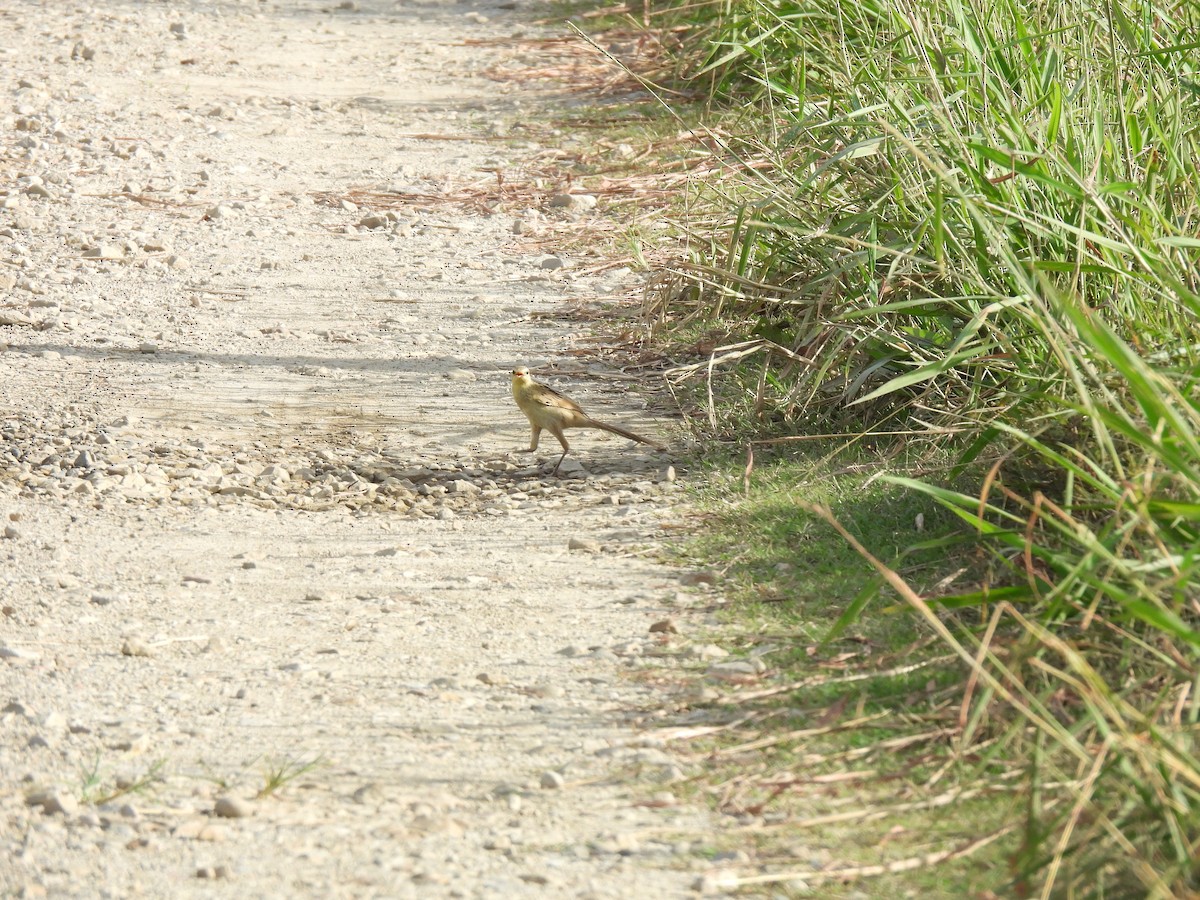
point(533, 438)
point(566, 449)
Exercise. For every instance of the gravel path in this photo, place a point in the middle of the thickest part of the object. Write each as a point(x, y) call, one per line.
point(284, 611)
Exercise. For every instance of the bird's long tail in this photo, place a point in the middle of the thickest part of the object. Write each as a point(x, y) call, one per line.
point(604, 426)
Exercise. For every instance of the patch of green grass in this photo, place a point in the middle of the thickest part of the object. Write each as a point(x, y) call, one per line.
point(874, 704)
point(278, 773)
point(790, 571)
point(96, 788)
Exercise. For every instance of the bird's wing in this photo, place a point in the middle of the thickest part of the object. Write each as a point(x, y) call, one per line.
point(545, 396)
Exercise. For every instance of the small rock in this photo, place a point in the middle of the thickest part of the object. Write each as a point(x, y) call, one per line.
point(105, 250)
point(552, 262)
point(551, 780)
point(693, 579)
point(573, 202)
point(664, 626)
point(11, 317)
point(133, 646)
point(718, 882)
point(53, 801)
point(18, 654)
point(230, 807)
point(587, 544)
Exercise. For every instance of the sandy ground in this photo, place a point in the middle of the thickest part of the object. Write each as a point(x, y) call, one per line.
point(285, 613)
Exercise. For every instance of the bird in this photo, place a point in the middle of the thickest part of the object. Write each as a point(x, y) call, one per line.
point(548, 409)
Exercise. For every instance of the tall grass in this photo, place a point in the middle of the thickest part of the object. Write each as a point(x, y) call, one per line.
point(983, 214)
point(938, 181)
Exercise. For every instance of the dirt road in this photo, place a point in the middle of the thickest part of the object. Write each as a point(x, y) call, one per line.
point(284, 611)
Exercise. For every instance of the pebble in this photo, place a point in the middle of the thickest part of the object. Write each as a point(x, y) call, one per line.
point(105, 251)
point(586, 544)
point(229, 807)
point(573, 202)
point(551, 780)
point(133, 646)
point(718, 882)
point(53, 802)
point(18, 654)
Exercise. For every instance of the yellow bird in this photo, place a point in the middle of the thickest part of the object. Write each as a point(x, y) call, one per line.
point(548, 409)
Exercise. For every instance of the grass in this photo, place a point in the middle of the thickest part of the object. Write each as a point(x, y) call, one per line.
point(96, 789)
point(969, 227)
point(278, 773)
point(873, 695)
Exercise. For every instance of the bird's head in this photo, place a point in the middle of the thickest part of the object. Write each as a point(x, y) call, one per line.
point(520, 373)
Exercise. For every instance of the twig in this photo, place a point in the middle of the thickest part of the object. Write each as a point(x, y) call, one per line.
point(687, 734)
point(798, 734)
point(847, 873)
point(844, 679)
